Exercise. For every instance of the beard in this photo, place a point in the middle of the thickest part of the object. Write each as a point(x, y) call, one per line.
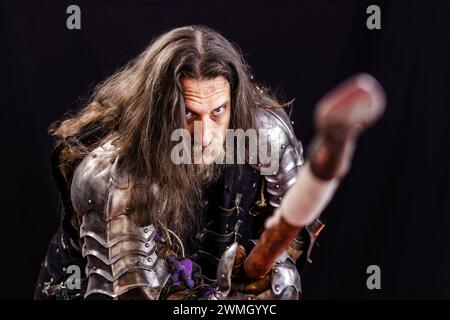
point(183, 200)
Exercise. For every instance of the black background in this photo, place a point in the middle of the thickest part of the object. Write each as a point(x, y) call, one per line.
point(392, 209)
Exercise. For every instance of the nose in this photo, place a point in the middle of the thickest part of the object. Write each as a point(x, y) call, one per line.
point(206, 131)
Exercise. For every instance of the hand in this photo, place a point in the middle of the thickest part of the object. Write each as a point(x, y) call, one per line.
point(282, 283)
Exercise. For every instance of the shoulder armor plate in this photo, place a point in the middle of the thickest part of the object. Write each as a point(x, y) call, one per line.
point(289, 150)
point(121, 255)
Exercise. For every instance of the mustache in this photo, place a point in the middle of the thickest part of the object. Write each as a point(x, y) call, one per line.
point(214, 152)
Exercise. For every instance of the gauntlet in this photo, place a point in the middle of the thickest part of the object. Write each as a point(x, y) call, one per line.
point(281, 283)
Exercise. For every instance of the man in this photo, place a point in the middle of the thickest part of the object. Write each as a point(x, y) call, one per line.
point(140, 225)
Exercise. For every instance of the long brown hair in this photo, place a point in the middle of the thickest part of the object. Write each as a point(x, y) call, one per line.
point(142, 104)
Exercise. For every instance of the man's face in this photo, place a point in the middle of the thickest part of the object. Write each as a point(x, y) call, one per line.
point(207, 103)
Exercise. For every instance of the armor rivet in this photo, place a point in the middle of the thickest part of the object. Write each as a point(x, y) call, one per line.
point(292, 122)
point(127, 209)
point(145, 230)
point(94, 156)
point(94, 267)
point(90, 201)
point(112, 160)
point(259, 164)
point(149, 259)
point(206, 202)
point(283, 146)
point(159, 211)
point(279, 198)
point(277, 288)
point(51, 279)
point(223, 276)
point(254, 184)
point(57, 250)
point(147, 245)
point(275, 270)
point(277, 186)
point(138, 263)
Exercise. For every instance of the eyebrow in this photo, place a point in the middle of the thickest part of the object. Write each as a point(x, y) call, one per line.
point(221, 105)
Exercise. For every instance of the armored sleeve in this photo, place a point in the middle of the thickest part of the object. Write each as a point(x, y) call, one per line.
point(288, 150)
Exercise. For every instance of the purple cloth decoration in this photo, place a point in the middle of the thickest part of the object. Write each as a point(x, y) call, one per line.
point(181, 271)
point(158, 236)
point(207, 292)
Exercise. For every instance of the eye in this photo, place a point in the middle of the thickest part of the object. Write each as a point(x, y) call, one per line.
point(219, 110)
point(189, 115)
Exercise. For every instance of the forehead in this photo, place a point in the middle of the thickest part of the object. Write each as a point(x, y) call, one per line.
point(205, 91)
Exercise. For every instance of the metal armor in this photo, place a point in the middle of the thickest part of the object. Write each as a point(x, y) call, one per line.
point(121, 255)
point(290, 152)
point(277, 184)
point(238, 212)
point(284, 279)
